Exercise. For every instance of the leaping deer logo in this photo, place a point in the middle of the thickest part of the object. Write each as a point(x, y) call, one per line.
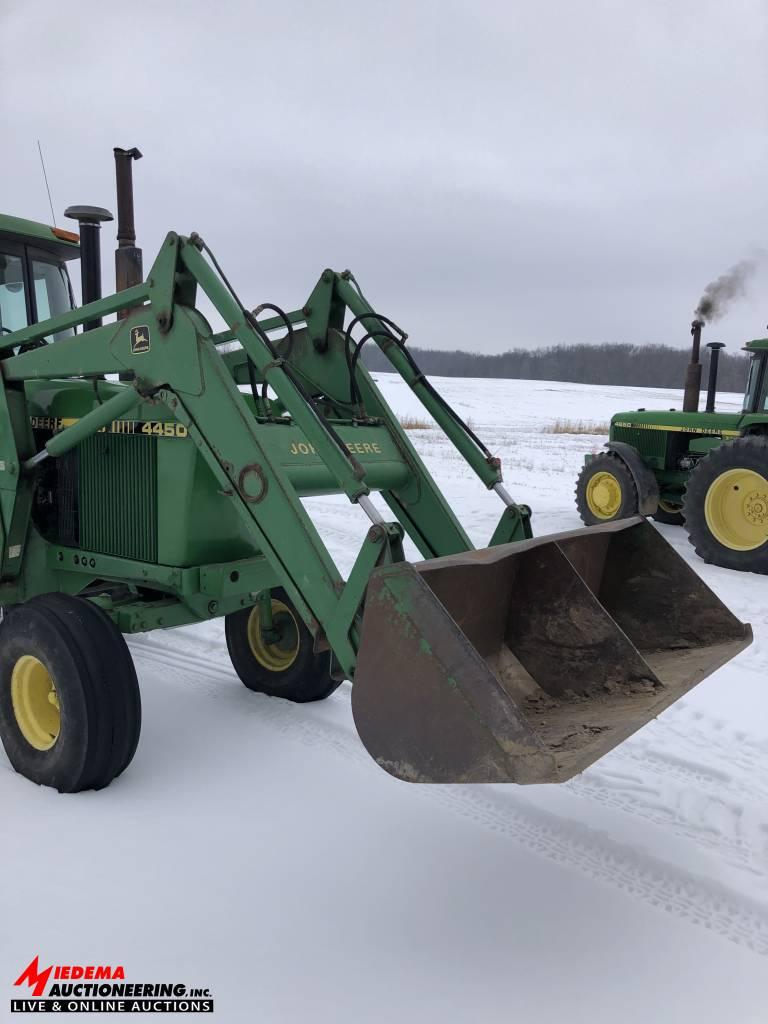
point(139, 339)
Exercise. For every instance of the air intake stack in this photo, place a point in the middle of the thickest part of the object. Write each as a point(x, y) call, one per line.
point(89, 219)
point(714, 358)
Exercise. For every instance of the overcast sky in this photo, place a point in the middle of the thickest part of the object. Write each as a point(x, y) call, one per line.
point(497, 174)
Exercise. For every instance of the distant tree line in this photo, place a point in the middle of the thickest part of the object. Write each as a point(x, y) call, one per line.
point(657, 366)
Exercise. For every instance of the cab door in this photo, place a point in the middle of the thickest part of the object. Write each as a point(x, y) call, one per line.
point(16, 309)
point(50, 291)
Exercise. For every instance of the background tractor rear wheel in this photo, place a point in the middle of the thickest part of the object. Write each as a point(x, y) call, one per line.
point(287, 667)
point(606, 491)
point(726, 505)
point(70, 709)
point(670, 514)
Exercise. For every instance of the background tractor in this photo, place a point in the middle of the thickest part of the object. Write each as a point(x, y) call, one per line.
point(706, 471)
point(151, 475)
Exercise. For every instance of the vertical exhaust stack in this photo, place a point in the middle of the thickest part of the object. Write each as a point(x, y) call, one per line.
point(693, 373)
point(89, 219)
point(714, 358)
point(128, 257)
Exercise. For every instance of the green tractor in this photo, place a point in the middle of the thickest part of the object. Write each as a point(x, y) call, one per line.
point(152, 472)
point(706, 471)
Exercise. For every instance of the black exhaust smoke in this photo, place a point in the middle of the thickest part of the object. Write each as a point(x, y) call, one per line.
point(712, 305)
point(719, 293)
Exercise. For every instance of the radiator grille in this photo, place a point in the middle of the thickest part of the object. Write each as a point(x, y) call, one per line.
point(117, 491)
point(650, 443)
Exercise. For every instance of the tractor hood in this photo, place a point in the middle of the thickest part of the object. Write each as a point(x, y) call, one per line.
point(718, 424)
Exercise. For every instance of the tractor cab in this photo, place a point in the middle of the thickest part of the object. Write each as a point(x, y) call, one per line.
point(756, 393)
point(34, 283)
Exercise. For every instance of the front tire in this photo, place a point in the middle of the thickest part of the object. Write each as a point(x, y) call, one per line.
point(671, 515)
point(287, 667)
point(726, 505)
point(70, 708)
point(606, 491)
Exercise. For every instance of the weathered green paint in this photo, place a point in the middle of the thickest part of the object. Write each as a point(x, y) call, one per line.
point(201, 511)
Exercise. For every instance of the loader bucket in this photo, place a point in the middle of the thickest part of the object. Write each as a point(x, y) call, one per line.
point(527, 662)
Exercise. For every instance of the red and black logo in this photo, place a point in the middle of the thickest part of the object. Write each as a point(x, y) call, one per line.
point(102, 988)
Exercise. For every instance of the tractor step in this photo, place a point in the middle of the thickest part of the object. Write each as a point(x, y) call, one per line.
point(528, 662)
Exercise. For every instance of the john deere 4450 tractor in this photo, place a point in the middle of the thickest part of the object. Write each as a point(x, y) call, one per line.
point(707, 471)
point(151, 475)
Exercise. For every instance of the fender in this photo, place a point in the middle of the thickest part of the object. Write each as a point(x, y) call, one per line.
point(645, 481)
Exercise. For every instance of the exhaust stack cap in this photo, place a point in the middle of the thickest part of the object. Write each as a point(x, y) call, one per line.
point(88, 214)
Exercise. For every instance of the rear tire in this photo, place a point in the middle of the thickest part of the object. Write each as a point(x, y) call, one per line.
point(288, 668)
point(726, 505)
point(606, 491)
point(70, 708)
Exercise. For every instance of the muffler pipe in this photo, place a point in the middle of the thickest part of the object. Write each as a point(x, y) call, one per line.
point(128, 257)
point(693, 373)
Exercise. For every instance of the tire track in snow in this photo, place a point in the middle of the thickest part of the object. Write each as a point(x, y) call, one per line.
point(566, 841)
point(647, 777)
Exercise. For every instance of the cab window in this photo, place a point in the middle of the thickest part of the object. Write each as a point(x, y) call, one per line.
point(13, 299)
point(52, 295)
point(756, 393)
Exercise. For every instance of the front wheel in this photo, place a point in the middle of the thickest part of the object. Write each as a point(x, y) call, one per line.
point(70, 710)
point(281, 662)
point(726, 505)
point(606, 491)
point(669, 513)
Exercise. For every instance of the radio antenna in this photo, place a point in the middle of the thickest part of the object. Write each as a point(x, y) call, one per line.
point(45, 176)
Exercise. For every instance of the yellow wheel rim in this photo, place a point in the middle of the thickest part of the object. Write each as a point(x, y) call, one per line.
point(279, 656)
point(604, 495)
point(736, 509)
point(35, 702)
point(670, 508)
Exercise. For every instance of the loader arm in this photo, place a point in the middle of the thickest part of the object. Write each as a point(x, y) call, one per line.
point(428, 515)
point(524, 661)
point(182, 369)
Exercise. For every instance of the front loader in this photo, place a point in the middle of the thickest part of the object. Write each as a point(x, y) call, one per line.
point(151, 476)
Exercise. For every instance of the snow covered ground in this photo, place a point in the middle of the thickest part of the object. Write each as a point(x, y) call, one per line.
point(254, 848)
